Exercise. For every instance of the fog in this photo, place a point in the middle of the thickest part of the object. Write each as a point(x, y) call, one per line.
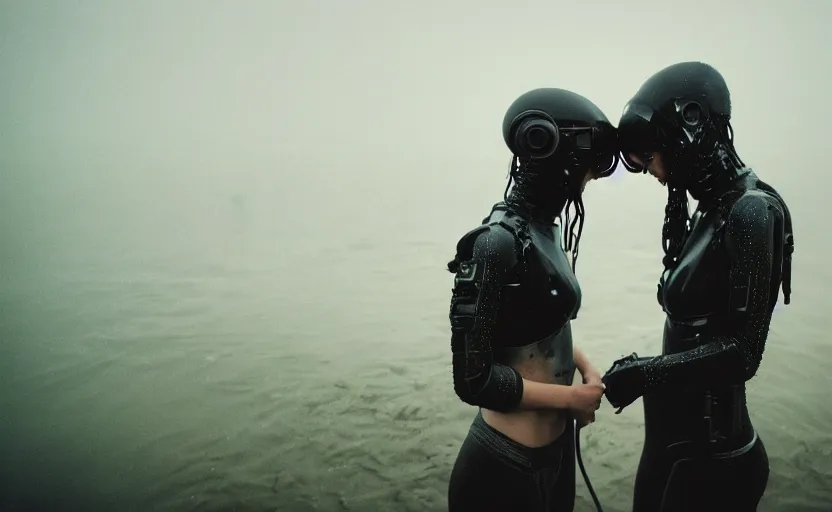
point(193, 192)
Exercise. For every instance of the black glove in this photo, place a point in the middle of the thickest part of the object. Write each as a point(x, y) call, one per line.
point(626, 381)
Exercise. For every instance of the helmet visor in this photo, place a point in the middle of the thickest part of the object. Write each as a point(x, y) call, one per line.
point(596, 146)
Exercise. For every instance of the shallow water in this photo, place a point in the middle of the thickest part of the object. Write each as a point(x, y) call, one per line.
point(204, 358)
point(224, 229)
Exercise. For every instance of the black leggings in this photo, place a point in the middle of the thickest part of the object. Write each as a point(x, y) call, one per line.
point(493, 472)
point(666, 483)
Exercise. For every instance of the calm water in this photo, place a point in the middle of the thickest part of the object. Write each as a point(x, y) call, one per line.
point(224, 228)
point(251, 348)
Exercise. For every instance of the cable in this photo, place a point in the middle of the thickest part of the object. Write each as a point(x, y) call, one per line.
point(583, 470)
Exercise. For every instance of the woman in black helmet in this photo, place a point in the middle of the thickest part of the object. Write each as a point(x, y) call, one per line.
point(723, 270)
point(514, 297)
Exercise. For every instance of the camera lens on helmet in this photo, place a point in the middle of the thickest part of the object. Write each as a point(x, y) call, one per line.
point(692, 113)
point(538, 137)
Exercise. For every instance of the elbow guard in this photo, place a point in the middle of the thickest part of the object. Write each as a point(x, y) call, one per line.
point(501, 391)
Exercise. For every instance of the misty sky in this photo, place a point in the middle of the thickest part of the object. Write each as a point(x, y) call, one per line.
point(255, 79)
point(168, 99)
point(187, 180)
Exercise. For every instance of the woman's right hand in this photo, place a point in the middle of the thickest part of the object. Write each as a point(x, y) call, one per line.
point(586, 398)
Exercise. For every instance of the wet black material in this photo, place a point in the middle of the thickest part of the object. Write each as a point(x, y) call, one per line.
point(514, 285)
point(585, 142)
point(719, 300)
point(682, 481)
point(682, 112)
point(724, 268)
point(493, 472)
point(515, 289)
point(515, 293)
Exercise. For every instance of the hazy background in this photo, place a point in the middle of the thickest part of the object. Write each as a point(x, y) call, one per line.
point(224, 226)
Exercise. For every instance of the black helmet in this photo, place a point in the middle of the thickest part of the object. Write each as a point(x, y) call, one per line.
point(564, 129)
point(560, 136)
point(682, 112)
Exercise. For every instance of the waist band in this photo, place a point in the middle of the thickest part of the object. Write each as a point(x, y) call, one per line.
point(518, 455)
point(739, 451)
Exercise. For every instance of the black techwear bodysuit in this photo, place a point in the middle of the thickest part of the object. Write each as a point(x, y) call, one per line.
point(513, 288)
point(701, 451)
point(514, 296)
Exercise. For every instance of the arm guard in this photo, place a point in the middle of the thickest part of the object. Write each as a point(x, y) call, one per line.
point(754, 235)
point(484, 258)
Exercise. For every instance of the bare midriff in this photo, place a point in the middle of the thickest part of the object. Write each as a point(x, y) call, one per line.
point(548, 361)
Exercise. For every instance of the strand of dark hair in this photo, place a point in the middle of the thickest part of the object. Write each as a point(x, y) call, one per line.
point(570, 240)
point(676, 225)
